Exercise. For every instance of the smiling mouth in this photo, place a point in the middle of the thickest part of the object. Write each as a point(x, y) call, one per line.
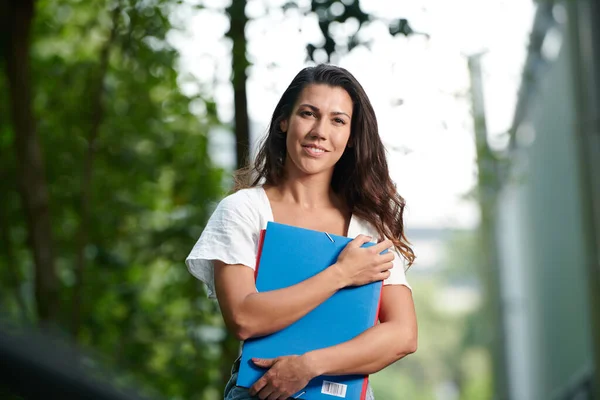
point(315, 149)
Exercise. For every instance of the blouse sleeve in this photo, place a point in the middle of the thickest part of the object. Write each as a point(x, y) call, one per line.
point(398, 273)
point(230, 236)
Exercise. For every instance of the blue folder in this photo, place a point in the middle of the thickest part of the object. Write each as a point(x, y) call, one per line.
point(289, 255)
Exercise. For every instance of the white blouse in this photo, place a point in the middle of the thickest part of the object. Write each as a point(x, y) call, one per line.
point(232, 233)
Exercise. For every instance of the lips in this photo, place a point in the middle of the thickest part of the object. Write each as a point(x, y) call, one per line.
point(314, 151)
point(315, 148)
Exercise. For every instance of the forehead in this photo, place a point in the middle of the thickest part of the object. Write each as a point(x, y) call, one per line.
point(326, 98)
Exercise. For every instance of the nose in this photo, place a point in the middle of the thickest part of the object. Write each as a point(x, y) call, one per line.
point(319, 130)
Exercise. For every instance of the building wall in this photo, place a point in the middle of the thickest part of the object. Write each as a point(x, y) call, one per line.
point(542, 256)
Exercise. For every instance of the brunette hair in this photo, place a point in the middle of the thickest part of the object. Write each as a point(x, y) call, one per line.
point(361, 176)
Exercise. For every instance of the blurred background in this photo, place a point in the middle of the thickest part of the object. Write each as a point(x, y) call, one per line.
point(121, 122)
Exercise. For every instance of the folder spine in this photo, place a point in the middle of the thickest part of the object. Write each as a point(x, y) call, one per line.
point(363, 395)
point(261, 240)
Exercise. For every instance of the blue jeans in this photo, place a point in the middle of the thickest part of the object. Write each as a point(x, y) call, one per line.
point(234, 392)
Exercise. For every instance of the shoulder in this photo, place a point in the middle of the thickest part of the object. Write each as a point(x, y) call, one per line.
point(243, 197)
point(230, 235)
point(246, 203)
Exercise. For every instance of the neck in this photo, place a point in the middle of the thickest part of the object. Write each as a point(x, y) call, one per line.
point(306, 194)
point(308, 191)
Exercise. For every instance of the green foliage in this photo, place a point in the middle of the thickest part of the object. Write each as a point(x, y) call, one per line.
point(332, 12)
point(152, 189)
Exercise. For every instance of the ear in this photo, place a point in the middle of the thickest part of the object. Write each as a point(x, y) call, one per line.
point(350, 143)
point(283, 126)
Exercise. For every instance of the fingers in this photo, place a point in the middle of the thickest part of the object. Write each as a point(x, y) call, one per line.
point(384, 245)
point(387, 257)
point(272, 391)
point(386, 266)
point(266, 393)
point(276, 395)
point(264, 362)
point(258, 386)
point(360, 240)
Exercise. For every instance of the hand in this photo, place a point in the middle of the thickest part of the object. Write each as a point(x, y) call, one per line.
point(360, 266)
point(286, 376)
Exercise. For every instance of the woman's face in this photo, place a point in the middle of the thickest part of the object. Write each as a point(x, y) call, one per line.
point(318, 129)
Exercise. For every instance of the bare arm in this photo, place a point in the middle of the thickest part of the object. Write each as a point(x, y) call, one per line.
point(250, 314)
point(378, 347)
point(375, 349)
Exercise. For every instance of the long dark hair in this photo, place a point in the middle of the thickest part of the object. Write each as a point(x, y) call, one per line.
point(361, 176)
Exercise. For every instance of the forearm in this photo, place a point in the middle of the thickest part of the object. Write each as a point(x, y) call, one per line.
point(366, 354)
point(267, 312)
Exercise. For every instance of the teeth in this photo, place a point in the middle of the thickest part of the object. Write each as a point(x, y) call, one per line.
point(314, 149)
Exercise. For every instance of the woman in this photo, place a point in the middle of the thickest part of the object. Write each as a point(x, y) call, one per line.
point(321, 167)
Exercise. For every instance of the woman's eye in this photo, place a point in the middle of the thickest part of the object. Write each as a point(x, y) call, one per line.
point(308, 113)
point(339, 121)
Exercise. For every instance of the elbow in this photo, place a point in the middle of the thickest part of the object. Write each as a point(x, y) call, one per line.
point(406, 346)
point(411, 345)
point(241, 333)
point(241, 328)
point(410, 338)
point(243, 323)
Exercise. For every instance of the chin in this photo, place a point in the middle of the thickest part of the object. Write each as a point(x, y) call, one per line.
point(311, 167)
point(311, 170)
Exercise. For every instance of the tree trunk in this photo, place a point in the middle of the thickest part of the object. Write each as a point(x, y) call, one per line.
point(11, 263)
point(488, 188)
point(97, 113)
point(30, 164)
point(230, 346)
point(239, 63)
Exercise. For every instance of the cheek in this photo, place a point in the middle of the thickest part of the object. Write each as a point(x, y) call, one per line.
point(295, 133)
point(290, 139)
point(342, 140)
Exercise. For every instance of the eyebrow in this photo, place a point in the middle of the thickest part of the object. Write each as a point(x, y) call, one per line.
point(317, 110)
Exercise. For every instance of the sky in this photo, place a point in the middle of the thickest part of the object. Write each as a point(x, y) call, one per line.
point(419, 86)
